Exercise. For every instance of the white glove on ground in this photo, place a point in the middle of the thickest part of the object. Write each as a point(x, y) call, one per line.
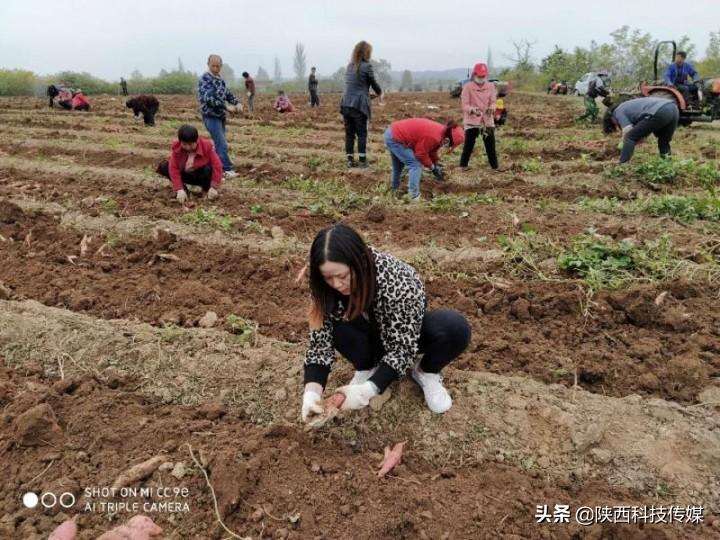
point(181, 196)
point(357, 396)
point(311, 404)
point(212, 194)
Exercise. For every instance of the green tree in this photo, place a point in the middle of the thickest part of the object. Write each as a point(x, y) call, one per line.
point(16, 82)
point(710, 66)
point(406, 81)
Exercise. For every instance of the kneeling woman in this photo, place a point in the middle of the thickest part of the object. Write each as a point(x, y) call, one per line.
point(371, 307)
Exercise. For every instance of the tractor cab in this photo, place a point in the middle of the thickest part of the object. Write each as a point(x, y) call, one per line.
point(704, 105)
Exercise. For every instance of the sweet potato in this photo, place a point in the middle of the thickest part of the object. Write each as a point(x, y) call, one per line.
point(335, 401)
point(67, 530)
point(137, 528)
point(392, 459)
point(138, 472)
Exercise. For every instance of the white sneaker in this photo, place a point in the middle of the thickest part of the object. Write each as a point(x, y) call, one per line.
point(362, 376)
point(416, 200)
point(436, 396)
point(230, 174)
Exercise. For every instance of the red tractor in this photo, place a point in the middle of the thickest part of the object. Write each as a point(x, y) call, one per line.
point(704, 104)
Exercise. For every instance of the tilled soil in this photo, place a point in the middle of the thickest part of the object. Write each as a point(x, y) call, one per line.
point(77, 435)
point(660, 341)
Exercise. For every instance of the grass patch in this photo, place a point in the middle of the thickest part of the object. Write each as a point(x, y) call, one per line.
point(604, 263)
point(526, 254)
point(533, 166)
point(332, 196)
point(681, 208)
point(669, 171)
point(448, 203)
point(207, 218)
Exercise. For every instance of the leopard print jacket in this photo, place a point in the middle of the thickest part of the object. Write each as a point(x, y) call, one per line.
point(399, 307)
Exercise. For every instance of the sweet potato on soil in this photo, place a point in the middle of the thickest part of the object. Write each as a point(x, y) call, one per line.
point(138, 472)
point(392, 459)
point(67, 530)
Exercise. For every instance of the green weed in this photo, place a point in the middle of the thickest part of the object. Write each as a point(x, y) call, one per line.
point(208, 218)
point(448, 203)
point(533, 166)
point(242, 328)
point(606, 264)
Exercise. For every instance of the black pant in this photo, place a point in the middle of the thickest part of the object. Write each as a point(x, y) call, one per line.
point(65, 104)
point(662, 124)
point(314, 98)
point(356, 125)
point(148, 114)
point(444, 335)
point(489, 139)
point(199, 177)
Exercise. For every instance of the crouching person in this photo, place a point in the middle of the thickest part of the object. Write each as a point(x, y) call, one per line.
point(283, 103)
point(193, 162)
point(371, 307)
point(148, 106)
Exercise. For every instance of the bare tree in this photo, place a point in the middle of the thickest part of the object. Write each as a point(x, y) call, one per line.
point(523, 55)
point(278, 71)
point(262, 75)
point(299, 62)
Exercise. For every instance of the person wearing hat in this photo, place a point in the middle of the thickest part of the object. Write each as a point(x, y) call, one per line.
point(597, 86)
point(478, 101)
point(414, 143)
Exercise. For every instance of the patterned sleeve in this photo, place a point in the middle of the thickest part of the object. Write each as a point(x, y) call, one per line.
point(321, 349)
point(400, 321)
point(207, 92)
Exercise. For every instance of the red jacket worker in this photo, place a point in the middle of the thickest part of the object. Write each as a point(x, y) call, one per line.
point(193, 161)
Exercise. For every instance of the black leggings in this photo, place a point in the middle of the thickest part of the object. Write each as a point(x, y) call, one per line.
point(662, 124)
point(199, 177)
point(444, 335)
point(356, 125)
point(489, 139)
point(314, 98)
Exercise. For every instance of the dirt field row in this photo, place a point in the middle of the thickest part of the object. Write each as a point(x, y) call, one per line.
point(576, 391)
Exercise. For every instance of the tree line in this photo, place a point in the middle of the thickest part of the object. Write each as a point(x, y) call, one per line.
point(628, 55)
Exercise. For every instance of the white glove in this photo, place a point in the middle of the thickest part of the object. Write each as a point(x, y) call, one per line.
point(181, 196)
point(212, 194)
point(357, 396)
point(249, 94)
point(311, 404)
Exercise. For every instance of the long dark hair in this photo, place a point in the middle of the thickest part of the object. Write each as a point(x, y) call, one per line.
point(362, 52)
point(340, 244)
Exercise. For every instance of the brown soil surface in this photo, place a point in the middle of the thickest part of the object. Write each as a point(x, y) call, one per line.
point(274, 481)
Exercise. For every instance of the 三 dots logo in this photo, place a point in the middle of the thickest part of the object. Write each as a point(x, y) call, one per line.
point(48, 500)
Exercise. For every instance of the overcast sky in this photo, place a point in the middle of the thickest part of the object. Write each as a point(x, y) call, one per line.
point(110, 38)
